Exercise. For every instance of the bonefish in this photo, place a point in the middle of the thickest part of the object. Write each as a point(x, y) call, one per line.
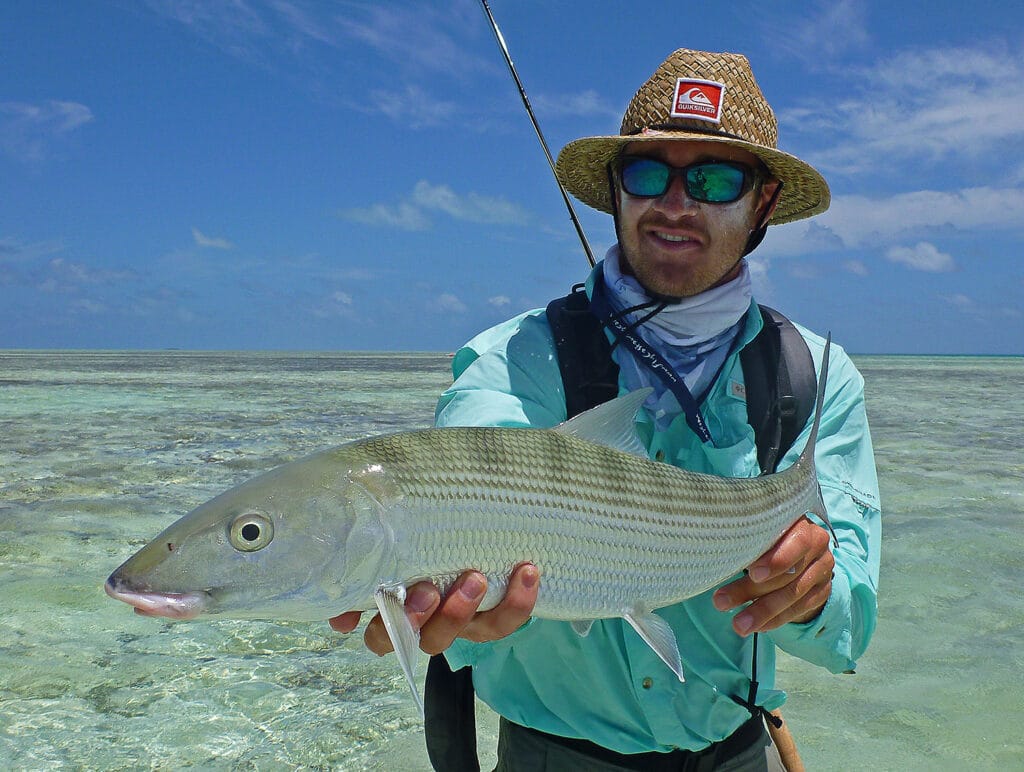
point(613, 533)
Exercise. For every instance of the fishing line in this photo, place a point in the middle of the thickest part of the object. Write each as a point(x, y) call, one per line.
point(540, 135)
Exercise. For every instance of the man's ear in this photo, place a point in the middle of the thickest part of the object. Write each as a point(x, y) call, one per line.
point(768, 199)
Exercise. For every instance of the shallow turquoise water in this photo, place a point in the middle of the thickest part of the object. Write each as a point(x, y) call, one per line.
point(101, 450)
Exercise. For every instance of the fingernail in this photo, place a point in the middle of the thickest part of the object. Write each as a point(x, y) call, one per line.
point(743, 622)
point(529, 577)
point(759, 574)
point(722, 600)
point(420, 600)
point(472, 587)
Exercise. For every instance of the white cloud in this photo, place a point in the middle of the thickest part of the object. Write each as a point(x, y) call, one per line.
point(471, 207)
point(302, 40)
point(829, 30)
point(451, 303)
point(65, 276)
point(968, 305)
point(412, 107)
point(854, 218)
point(211, 242)
point(28, 131)
point(860, 221)
point(856, 267)
point(404, 216)
point(238, 28)
point(588, 103)
point(932, 105)
point(303, 24)
point(500, 301)
point(13, 251)
point(922, 257)
point(416, 37)
point(159, 302)
point(86, 306)
point(337, 303)
point(961, 302)
point(412, 214)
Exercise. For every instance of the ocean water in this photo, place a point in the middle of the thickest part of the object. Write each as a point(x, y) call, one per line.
point(101, 450)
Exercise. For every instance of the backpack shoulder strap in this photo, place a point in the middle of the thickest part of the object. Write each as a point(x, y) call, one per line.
point(589, 374)
point(450, 717)
point(780, 385)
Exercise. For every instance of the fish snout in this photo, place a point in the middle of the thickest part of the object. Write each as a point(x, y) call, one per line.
point(171, 605)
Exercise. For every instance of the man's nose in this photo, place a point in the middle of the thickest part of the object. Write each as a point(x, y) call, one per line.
point(675, 198)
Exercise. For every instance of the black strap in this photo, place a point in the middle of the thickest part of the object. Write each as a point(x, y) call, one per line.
point(449, 713)
point(781, 383)
point(750, 703)
point(715, 756)
point(590, 376)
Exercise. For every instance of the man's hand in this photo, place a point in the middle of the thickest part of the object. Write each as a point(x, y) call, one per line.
point(442, 620)
point(789, 583)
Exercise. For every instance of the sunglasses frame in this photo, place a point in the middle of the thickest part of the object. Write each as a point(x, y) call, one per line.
point(751, 176)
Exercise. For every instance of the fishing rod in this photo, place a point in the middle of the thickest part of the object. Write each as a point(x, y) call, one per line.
point(540, 135)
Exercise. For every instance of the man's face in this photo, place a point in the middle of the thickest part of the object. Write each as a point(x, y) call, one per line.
point(679, 247)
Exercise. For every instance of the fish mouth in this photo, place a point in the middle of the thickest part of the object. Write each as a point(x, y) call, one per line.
point(170, 605)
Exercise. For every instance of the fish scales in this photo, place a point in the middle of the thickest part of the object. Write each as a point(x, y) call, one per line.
point(587, 515)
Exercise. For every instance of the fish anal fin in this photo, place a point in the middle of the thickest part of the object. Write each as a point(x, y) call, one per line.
point(390, 600)
point(657, 634)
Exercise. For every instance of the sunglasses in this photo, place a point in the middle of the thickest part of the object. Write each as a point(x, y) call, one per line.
point(710, 182)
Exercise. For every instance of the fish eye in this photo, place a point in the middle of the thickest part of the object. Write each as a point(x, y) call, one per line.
point(251, 532)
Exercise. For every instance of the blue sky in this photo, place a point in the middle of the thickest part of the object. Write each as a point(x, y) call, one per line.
point(289, 174)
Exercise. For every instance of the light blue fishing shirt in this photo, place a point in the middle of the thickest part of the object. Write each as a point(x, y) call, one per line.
point(610, 687)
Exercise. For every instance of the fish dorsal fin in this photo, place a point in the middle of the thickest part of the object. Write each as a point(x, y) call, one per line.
point(390, 600)
point(611, 423)
point(657, 634)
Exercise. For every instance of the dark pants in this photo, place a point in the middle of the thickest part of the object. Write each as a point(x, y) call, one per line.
point(520, 749)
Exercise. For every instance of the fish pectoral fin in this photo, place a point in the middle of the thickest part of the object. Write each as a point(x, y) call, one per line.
point(611, 423)
point(657, 634)
point(582, 626)
point(390, 600)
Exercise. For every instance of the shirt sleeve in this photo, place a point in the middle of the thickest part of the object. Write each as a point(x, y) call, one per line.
point(846, 473)
point(506, 376)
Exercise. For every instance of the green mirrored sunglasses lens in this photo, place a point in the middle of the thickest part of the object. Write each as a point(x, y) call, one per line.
point(645, 177)
point(716, 183)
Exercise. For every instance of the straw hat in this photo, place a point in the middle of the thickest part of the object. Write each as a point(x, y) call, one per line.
point(701, 96)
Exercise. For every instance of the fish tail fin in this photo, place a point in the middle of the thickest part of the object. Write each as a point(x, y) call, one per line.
point(807, 456)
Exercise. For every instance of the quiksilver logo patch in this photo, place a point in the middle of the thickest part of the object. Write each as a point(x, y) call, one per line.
point(700, 99)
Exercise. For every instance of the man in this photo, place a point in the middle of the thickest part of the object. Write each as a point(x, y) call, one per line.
point(692, 180)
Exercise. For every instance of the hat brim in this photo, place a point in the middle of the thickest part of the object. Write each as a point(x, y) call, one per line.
point(582, 168)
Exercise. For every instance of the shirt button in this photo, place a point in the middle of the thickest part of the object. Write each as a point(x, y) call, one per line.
point(659, 456)
point(647, 683)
